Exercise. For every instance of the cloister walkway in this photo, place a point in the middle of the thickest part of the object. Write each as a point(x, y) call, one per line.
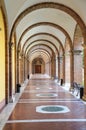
point(46, 105)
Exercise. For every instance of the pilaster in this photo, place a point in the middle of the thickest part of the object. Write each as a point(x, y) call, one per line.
point(84, 95)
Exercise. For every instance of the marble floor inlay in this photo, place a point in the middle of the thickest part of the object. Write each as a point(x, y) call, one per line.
point(46, 95)
point(52, 109)
point(47, 120)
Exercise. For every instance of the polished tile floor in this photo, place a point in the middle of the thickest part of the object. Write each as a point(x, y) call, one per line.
point(33, 108)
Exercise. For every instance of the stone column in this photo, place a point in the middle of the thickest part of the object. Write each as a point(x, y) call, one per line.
point(46, 67)
point(53, 67)
point(13, 49)
point(21, 69)
point(84, 95)
point(71, 68)
point(68, 67)
point(57, 67)
point(49, 67)
point(26, 67)
point(63, 68)
point(17, 67)
point(78, 66)
point(10, 71)
point(7, 73)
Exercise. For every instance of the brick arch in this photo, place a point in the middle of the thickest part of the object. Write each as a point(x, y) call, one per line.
point(50, 5)
point(78, 38)
point(40, 44)
point(49, 24)
point(78, 49)
point(48, 35)
point(43, 49)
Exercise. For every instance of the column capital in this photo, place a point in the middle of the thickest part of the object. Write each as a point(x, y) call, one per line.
point(84, 97)
point(11, 45)
point(60, 56)
point(77, 52)
point(18, 51)
point(68, 53)
point(84, 46)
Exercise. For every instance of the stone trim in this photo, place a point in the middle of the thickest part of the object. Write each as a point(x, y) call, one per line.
point(77, 52)
point(2, 104)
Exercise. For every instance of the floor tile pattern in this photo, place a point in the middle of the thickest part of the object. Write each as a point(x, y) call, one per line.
point(25, 117)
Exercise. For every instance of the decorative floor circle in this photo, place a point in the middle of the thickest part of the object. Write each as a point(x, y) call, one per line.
point(37, 88)
point(52, 109)
point(47, 95)
point(50, 88)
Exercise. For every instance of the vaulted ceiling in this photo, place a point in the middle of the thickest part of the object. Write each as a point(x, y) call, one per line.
point(44, 24)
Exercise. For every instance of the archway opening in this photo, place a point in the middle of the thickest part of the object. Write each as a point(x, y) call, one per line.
point(38, 66)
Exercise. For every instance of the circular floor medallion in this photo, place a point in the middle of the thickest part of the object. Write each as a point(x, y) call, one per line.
point(52, 109)
point(46, 95)
point(37, 88)
point(50, 88)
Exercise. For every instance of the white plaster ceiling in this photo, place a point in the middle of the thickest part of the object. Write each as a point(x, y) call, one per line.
point(43, 15)
point(14, 8)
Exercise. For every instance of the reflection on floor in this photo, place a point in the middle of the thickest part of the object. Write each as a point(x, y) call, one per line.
point(43, 104)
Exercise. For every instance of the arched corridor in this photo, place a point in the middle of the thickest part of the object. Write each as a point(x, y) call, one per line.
point(42, 39)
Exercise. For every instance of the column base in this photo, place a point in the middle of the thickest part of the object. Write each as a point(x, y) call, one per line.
point(84, 98)
point(12, 99)
point(70, 88)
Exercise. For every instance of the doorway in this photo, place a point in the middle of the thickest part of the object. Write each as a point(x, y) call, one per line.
point(37, 68)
